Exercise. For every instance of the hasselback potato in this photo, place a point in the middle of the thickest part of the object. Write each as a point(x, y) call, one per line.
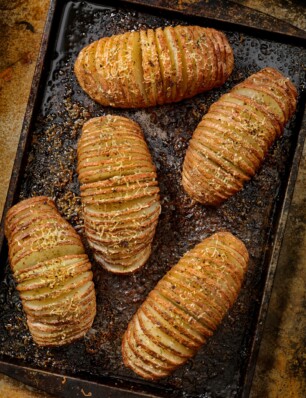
point(52, 272)
point(150, 67)
point(233, 138)
point(119, 192)
point(185, 307)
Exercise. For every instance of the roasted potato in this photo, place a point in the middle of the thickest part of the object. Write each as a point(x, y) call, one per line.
point(185, 307)
point(119, 192)
point(52, 272)
point(150, 67)
point(232, 140)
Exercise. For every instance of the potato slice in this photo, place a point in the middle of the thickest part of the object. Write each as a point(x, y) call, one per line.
point(261, 119)
point(190, 307)
point(197, 331)
point(177, 63)
point(166, 326)
point(205, 192)
point(185, 307)
point(89, 73)
point(144, 354)
point(16, 213)
point(212, 152)
point(210, 43)
point(147, 67)
point(282, 83)
point(167, 69)
point(30, 258)
point(228, 56)
point(86, 310)
point(113, 191)
point(104, 211)
point(121, 267)
point(123, 246)
point(68, 303)
point(144, 369)
point(90, 176)
point(135, 72)
point(154, 63)
point(101, 63)
point(177, 319)
point(188, 49)
point(114, 197)
point(207, 71)
point(55, 288)
point(217, 179)
point(158, 350)
point(46, 336)
point(261, 96)
point(52, 272)
point(243, 124)
point(143, 218)
point(223, 173)
point(112, 70)
point(121, 180)
point(90, 70)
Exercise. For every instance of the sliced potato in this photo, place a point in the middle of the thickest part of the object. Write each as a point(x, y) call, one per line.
point(230, 143)
point(185, 307)
point(52, 272)
point(119, 191)
point(150, 67)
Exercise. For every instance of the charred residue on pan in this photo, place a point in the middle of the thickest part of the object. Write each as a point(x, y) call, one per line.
point(50, 170)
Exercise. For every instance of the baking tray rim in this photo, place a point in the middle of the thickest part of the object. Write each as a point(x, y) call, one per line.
point(20, 372)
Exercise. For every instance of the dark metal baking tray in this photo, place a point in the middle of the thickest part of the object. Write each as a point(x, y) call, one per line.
point(45, 165)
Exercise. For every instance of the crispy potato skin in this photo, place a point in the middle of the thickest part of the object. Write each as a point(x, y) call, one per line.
point(154, 67)
point(52, 272)
point(185, 307)
point(119, 192)
point(231, 141)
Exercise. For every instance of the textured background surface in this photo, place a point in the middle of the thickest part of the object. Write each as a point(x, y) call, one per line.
point(281, 363)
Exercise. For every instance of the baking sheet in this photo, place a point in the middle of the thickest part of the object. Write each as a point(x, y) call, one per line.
point(220, 367)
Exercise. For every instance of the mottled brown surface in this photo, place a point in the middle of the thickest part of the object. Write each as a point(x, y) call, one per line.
point(21, 27)
point(292, 11)
point(280, 366)
point(14, 389)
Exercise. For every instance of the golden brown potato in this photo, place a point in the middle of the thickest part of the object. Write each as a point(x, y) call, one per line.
point(231, 141)
point(185, 307)
point(52, 272)
point(150, 67)
point(119, 192)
